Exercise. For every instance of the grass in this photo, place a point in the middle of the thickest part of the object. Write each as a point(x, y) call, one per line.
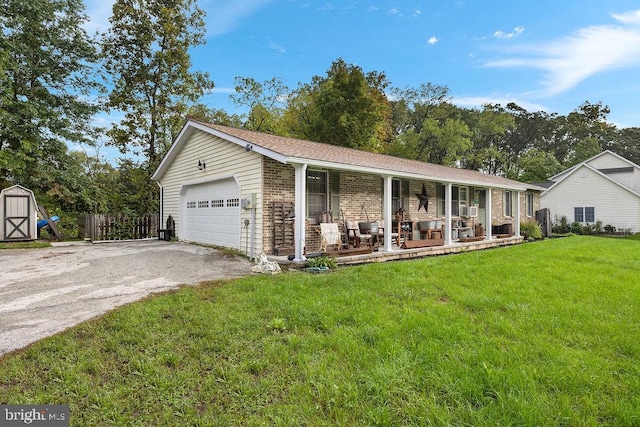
point(24, 245)
point(543, 333)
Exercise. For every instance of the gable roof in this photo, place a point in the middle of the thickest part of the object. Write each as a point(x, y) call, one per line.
point(586, 165)
point(315, 154)
point(605, 152)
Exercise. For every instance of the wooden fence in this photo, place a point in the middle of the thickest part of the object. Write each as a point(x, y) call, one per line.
point(118, 226)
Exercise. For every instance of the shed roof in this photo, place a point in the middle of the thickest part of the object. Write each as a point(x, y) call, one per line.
point(299, 151)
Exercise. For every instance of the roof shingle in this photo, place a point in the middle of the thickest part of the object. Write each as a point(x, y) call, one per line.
point(349, 157)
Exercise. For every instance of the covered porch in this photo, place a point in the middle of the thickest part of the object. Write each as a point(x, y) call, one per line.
point(343, 259)
point(466, 215)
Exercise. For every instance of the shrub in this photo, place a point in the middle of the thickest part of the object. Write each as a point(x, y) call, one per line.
point(531, 229)
point(597, 227)
point(576, 227)
point(609, 229)
point(322, 261)
point(561, 226)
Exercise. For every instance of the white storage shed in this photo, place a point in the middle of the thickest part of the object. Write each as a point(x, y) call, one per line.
point(19, 214)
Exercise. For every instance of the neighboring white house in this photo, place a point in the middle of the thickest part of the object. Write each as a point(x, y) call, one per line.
point(603, 188)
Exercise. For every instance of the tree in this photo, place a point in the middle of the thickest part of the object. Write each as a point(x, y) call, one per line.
point(265, 102)
point(410, 108)
point(346, 107)
point(46, 60)
point(147, 60)
point(489, 128)
point(211, 115)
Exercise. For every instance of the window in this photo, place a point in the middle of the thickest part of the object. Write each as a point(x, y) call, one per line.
point(316, 193)
point(203, 204)
point(233, 203)
point(191, 205)
point(399, 195)
point(584, 215)
point(218, 203)
point(508, 203)
point(459, 200)
point(529, 204)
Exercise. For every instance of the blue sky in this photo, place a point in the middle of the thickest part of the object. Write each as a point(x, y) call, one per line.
point(543, 55)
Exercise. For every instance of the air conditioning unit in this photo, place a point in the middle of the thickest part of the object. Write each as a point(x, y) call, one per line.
point(473, 211)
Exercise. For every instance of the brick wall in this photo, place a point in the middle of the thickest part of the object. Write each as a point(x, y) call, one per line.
point(361, 197)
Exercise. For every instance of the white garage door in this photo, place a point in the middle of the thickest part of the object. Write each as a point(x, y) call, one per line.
point(212, 213)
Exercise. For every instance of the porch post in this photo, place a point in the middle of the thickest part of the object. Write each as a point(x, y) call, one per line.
point(386, 213)
point(516, 224)
point(447, 214)
point(489, 214)
point(300, 211)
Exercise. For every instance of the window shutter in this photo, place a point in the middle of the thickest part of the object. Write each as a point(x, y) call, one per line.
point(405, 195)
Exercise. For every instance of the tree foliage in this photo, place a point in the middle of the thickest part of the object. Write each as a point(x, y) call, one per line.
point(346, 107)
point(146, 58)
point(45, 83)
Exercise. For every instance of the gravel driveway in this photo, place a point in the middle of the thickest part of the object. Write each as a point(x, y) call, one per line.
point(44, 291)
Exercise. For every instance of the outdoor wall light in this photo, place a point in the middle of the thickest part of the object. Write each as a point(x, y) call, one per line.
point(248, 147)
point(201, 165)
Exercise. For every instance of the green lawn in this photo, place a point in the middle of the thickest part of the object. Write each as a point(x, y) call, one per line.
point(543, 333)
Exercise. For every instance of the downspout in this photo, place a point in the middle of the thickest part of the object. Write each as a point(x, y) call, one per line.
point(300, 211)
point(253, 232)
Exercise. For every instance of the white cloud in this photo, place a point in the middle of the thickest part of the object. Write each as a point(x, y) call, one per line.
point(572, 59)
point(515, 33)
point(276, 47)
point(629, 18)
point(393, 11)
point(224, 16)
point(433, 40)
point(417, 13)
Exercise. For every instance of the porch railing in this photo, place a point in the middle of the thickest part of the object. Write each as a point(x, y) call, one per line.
point(118, 226)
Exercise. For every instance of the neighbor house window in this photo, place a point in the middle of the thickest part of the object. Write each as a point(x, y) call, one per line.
point(529, 204)
point(508, 203)
point(316, 193)
point(584, 215)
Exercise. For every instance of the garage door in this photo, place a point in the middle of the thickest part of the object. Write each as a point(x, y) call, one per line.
point(212, 213)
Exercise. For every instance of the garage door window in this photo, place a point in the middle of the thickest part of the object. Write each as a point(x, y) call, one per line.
point(233, 203)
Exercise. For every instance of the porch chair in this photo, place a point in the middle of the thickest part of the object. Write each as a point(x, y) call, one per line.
point(330, 236)
point(354, 236)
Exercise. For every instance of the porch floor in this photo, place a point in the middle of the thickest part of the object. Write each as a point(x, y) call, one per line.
point(399, 253)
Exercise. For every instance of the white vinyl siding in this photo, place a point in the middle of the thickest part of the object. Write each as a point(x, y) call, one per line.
point(612, 203)
point(224, 160)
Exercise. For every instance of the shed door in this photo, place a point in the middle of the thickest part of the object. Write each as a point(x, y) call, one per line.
point(212, 213)
point(17, 221)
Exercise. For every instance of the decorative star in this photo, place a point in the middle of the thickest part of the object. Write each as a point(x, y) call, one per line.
point(424, 199)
